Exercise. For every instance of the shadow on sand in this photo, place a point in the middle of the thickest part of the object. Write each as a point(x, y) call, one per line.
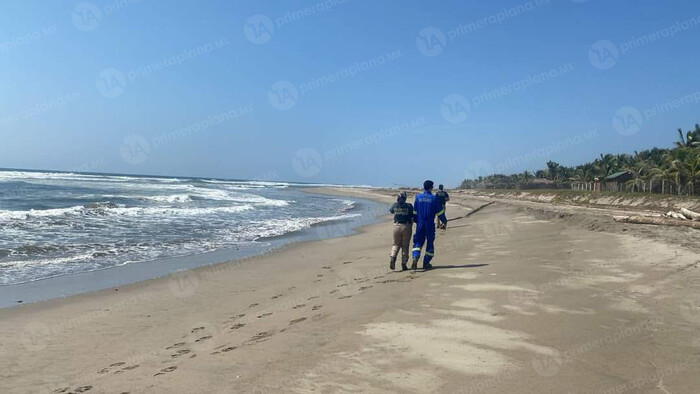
point(448, 267)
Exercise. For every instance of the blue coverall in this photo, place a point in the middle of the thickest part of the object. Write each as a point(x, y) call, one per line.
point(425, 207)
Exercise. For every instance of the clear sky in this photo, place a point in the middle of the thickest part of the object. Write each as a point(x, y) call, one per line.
point(355, 91)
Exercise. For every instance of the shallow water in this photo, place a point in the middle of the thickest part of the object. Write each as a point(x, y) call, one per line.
point(54, 224)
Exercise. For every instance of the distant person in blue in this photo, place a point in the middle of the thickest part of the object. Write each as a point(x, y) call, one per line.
point(425, 208)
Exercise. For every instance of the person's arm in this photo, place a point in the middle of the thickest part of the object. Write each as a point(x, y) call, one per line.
point(392, 208)
point(415, 209)
point(447, 196)
point(440, 212)
point(413, 213)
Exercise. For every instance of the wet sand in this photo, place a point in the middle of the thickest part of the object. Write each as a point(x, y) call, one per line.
point(518, 303)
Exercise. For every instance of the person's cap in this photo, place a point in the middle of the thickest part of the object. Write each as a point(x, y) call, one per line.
point(428, 185)
point(441, 187)
point(402, 195)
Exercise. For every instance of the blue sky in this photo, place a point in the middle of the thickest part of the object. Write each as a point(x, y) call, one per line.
point(358, 92)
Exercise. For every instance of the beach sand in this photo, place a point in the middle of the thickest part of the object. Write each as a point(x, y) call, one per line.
point(517, 303)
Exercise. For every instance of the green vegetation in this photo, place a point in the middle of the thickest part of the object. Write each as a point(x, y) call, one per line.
point(657, 170)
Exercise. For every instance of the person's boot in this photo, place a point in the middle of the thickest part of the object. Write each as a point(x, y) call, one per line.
point(403, 264)
point(392, 262)
point(414, 266)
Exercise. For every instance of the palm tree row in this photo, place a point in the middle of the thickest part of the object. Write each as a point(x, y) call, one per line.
point(657, 170)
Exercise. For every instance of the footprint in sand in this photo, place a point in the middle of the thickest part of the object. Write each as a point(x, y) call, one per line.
point(344, 297)
point(295, 321)
point(180, 353)
point(83, 389)
point(228, 349)
point(311, 298)
point(253, 305)
point(197, 329)
point(202, 339)
point(110, 368)
point(175, 345)
point(166, 370)
point(333, 291)
point(326, 267)
point(130, 367)
point(316, 307)
point(365, 287)
point(261, 336)
point(61, 390)
point(292, 288)
point(347, 262)
point(264, 315)
point(237, 326)
point(298, 306)
point(319, 276)
point(276, 297)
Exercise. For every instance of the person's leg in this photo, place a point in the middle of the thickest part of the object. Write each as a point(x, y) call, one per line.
point(405, 244)
point(398, 234)
point(429, 248)
point(418, 239)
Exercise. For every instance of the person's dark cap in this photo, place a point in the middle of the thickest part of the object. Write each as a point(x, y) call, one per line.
point(441, 187)
point(427, 185)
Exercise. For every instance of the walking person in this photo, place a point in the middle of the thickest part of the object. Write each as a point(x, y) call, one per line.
point(443, 197)
point(403, 227)
point(425, 208)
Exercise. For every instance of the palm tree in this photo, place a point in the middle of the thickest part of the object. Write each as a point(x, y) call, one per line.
point(637, 168)
point(690, 140)
point(553, 169)
point(605, 165)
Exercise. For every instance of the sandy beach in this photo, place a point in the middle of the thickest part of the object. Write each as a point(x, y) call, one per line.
point(520, 301)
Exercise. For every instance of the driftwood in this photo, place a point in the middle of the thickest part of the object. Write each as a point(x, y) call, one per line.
point(675, 215)
point(690, 214)
point(473, 211)
point(657, 221)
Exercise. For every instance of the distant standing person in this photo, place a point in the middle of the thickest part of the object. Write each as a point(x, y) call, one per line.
point(443, 197)
point(425, 208)
point(403, 227)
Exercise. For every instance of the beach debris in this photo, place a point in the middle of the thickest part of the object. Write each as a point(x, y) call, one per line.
point(690, 214)
point(675, 215)
point(662, 221)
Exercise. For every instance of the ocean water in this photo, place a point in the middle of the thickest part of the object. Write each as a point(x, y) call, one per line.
point(54, 224)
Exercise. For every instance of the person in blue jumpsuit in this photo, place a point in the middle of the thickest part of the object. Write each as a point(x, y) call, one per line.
point(425, 208)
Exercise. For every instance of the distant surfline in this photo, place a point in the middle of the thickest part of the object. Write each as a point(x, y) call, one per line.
point(118, 211)
point(65, 265)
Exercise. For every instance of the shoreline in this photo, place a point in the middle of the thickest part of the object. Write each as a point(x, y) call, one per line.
point(58, 287)
point(516, 303)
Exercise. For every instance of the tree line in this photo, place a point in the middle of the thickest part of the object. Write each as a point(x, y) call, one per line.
point(657, 170)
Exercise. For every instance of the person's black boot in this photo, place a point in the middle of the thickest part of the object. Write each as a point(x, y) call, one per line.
point(403, 265)
point(427, 266)
point(414, 266)
point(392, 262)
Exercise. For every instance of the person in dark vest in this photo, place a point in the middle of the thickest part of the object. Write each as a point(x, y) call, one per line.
point(443, 197)
point(403, 227)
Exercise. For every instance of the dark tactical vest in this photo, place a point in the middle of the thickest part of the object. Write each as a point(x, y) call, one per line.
point(441, 196)
point(402, 212)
